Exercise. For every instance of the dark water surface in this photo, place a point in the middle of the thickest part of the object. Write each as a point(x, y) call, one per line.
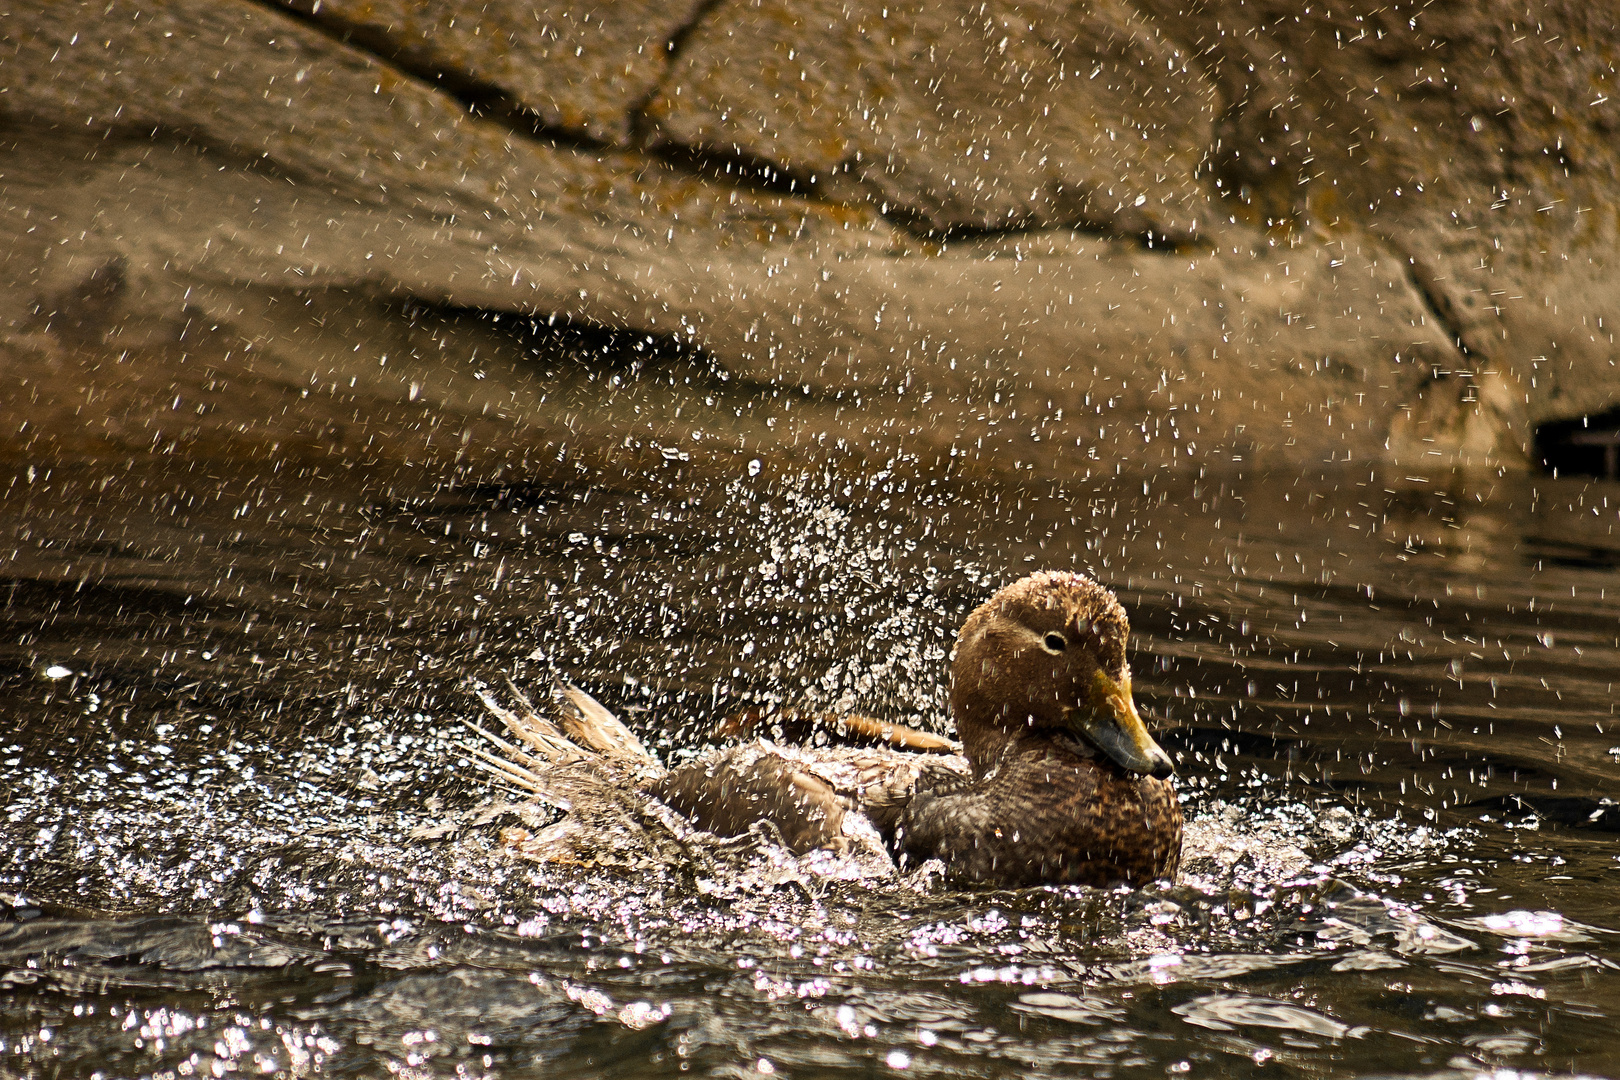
point(239, 834)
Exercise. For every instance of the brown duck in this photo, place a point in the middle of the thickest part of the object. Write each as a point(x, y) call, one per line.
point(1058, 780)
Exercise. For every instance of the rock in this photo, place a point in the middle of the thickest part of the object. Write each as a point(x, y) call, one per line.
point(1240, 232)
point(584, 70)
point(954, 117)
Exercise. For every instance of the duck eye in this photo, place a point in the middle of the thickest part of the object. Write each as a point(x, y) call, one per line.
point(1056, 642)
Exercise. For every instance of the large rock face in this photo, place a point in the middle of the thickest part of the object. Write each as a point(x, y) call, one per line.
point(1371, 231)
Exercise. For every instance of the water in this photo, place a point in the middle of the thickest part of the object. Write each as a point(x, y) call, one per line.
point(240, 832)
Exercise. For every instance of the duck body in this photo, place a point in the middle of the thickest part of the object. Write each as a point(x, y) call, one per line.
point(1058, 781)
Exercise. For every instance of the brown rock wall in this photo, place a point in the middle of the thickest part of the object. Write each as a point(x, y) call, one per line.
point(235, 144)
point(1380, 231)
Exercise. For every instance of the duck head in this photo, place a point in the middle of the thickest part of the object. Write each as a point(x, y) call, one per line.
point(1046, 655)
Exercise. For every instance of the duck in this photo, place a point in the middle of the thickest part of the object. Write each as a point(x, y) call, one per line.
point(1055, 779)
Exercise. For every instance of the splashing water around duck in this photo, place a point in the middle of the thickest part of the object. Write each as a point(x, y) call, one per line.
point(1059, 781)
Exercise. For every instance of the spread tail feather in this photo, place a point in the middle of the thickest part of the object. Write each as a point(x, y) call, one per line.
point(590, 722)
point(553, 759)
point(572, 753)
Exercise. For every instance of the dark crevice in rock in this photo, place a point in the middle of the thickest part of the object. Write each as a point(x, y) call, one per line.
point(1427, 284)
point(484, 100)
point(734, 167)
point(598, 347)
point(83, 312)
point(641, 124)
point(1147, 240)
point(739, 170)
point(677, 39)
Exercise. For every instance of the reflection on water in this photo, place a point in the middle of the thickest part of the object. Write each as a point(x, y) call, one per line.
point(240, 832)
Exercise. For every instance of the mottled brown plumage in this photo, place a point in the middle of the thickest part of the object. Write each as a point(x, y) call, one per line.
point(1040, 691)
point(1061, 782)
point(1048, 815)
point(728, 792)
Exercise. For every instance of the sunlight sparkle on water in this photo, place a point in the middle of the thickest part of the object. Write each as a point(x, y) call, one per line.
point(1525, 923)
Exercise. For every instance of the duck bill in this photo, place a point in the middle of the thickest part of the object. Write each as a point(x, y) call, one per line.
point(1112, 724)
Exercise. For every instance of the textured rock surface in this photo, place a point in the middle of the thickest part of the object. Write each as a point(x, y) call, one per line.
point(1196, 232)
point(955, 116)
point(583, 69)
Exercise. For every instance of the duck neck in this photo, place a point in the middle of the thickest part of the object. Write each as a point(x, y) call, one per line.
point(986, 734)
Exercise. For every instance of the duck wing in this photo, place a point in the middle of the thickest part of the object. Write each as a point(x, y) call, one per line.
point(812, 797)
point(727, 792)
